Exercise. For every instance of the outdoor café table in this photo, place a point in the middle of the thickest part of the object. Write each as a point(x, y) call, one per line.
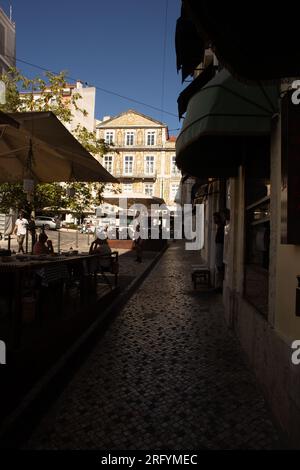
point(50, 269)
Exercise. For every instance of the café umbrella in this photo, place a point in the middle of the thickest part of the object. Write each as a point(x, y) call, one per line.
point(55, 154)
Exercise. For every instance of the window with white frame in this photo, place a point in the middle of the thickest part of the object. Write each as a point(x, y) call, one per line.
point(128, 165)
point(174, 169)
point(109, 137)
point(108, 163)
point(149, 165)
point(174, 189)
point(129, 138)
point(150, 138)
point(127, 187)
point(149, 189)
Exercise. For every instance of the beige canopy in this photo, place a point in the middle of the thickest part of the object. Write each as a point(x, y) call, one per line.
point(57, 155)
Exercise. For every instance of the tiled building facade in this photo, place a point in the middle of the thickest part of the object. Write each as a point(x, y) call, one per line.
point(7, 42)
point(143, 156)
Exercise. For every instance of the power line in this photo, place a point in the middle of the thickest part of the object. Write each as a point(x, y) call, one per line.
point(133, 100)
point(164, 59)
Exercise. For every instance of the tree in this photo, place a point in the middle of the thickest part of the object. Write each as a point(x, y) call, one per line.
point(87, 196)
point(96, 147)
point(50, 98)
point(50, 90)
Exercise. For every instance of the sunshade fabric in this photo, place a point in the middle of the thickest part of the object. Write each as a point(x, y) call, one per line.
point(57, 155)
point(6, 120)
point(189, 46)
point(193, 88)
point(220, 120)
point(257, 40)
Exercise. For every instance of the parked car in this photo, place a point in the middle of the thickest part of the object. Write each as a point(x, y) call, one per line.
point(49, 223)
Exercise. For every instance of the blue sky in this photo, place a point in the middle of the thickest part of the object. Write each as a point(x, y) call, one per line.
point(117, 45)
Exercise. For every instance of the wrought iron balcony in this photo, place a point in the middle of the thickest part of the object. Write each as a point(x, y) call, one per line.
point(135, 175)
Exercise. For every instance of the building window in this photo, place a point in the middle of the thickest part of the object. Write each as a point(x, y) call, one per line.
point(108, 163)
point(109, 137)
point(149, 190)
point(149, 165)
point(150, 139)
point(127, 188)
point(174, 189)
point(129, 138)
point(174, 169)
point(128, 165)
point(257, 231)
point(66, 92)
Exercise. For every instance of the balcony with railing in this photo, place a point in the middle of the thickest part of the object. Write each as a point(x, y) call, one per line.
point(135, 175)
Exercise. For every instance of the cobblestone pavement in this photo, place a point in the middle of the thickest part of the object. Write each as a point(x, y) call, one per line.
point(167, 374)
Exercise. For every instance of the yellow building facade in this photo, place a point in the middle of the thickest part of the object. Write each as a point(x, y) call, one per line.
point(142, 156)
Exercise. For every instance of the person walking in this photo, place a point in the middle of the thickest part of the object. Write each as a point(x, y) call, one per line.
point(32, 231)
point(20, 230)
point(138, 244)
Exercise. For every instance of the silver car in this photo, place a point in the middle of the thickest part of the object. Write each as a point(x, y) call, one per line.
point(49, 223)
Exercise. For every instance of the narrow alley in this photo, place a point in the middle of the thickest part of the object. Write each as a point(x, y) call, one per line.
point(167, 374)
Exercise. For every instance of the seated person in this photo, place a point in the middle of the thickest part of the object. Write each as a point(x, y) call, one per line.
point(102, 248)
point(40, 247)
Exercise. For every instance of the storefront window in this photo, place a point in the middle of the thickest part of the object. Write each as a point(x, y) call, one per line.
point(257, 226)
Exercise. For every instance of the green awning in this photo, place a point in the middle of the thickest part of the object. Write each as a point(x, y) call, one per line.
point(224, 121)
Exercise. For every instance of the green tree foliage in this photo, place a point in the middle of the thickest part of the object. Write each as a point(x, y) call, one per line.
point(96, 147)
point(51, 94)
point(86, 196)
point(51, 97)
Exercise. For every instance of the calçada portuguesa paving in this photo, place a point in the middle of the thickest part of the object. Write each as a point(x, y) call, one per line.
point(167, 374)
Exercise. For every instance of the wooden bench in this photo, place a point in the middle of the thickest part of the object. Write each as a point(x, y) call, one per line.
point(201, 275)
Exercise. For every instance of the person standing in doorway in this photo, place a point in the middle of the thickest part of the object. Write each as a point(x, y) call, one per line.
point(20, 230)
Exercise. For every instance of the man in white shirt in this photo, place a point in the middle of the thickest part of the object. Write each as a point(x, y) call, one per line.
point(20, 230)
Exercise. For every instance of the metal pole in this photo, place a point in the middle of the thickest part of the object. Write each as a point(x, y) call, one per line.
point(76, 239)
point(58, 241)
point(26, 242)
